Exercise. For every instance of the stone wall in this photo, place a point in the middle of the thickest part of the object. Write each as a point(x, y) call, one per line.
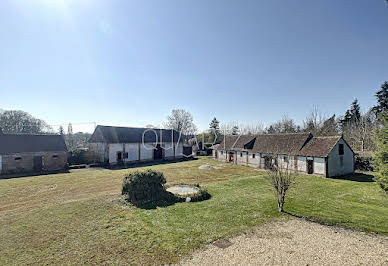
point(24, 162)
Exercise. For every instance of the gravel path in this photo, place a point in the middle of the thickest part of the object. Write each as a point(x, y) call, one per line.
point(296, 242)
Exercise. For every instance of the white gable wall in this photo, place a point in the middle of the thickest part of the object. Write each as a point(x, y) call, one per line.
point(340, 164)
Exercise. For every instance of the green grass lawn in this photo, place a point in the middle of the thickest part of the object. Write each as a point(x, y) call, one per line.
point(77, 218)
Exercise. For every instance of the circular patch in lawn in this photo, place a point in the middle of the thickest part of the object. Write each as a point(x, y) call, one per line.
point(183, 190)
point(188, 193)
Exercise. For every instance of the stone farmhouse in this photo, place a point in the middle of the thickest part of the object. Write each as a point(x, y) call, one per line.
point(116, 145)
point(300, 153)
point(26, 153)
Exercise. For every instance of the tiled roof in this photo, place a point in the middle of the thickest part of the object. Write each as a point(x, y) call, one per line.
point(110, 134)
point(319, 146)
point(19, 143)
point(304, 144)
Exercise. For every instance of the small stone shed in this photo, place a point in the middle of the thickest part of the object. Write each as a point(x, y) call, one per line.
point(299, 152)
point(26, 153)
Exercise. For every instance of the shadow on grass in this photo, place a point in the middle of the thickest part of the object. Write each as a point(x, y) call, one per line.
point(357, 177)
point(31, 174)
point(154, 205)
point(151, 163)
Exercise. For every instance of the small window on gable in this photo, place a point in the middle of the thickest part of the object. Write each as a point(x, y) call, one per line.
point(341, 149)
point(18, 158)
point(125, 155)
point(55, 156)
point(253, 156)
point(285, 159)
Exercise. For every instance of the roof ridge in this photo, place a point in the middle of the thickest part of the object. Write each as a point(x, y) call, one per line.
point(137, 127)
point(327, 137)
point(284, 134)
point(29, 134)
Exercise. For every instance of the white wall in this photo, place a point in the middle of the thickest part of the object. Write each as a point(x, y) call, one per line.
point(113, 149)
point(98, 151)
point(319, 166)
point(133, 151)
point(302, 164)
point(146, 151)
point(221, 155)
point(168, 150)
point(340, 164)
point(179, 150)
point(241, 159)
point(254, 161)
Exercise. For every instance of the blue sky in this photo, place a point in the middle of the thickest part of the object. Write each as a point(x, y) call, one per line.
point(132, 62)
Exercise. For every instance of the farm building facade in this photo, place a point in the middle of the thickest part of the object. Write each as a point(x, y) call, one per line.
point(116, 145)
point(300, 153)
point(25, 153)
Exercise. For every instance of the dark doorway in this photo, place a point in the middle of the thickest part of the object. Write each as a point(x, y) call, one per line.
point(119, 156)
point(268, 162)
point(231, 157)
point(158, 152)
point(38, 163)
point(310, 167)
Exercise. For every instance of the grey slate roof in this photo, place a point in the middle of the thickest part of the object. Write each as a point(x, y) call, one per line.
point(19, 143)
point(109, 134)
point(303, 144)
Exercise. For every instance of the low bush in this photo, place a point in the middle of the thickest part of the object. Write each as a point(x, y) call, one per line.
point(364, 163)
point(145, 187)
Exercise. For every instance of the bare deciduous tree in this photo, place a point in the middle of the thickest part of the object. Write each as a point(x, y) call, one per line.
point(285, 125)
point(181, 121)
point(281, 179)
point(359, 134)
point(21, 122)
point(314, 121)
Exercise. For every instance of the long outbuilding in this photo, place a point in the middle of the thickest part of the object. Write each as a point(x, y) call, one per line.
point(116, 145)
point(300, 152)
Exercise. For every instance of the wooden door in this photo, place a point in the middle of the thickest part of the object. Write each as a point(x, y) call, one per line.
point(38, 163)
point(310, 167)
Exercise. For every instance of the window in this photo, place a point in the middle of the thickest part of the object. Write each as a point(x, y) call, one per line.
point(55, 156)
point(253, 156)
point(18, 158)
point(119, 156)
point(222, 152)
point(341, 149)
point(125, 155)
point(240, 154)
point(285, 159)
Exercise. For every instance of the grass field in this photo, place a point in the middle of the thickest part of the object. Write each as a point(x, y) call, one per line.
point(78, 218)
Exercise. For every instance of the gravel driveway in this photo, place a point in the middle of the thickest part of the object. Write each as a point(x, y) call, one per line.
point(296, 242)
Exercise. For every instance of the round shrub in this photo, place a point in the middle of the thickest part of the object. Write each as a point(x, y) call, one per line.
point(145, 187)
